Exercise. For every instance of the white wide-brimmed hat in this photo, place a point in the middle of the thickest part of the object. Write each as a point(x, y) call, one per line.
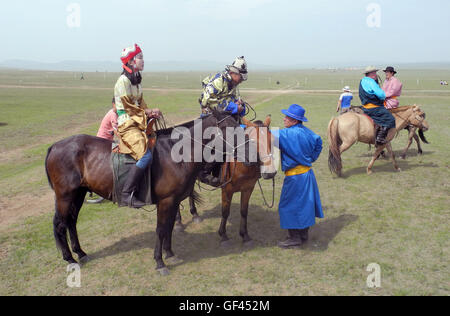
point(346, 88)
point(371, 69)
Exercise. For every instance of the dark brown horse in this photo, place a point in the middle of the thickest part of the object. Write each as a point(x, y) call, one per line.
point(241, 177)
point(82, 163)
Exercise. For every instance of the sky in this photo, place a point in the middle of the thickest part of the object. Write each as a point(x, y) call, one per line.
point(266, 32)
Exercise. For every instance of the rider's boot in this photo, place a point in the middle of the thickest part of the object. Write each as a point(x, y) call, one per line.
point(381, 135)
point(129, 189)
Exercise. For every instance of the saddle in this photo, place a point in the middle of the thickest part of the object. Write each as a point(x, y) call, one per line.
point(121, 165)
point(359, 110)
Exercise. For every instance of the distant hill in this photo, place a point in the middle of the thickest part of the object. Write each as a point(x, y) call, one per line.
point(101, 66)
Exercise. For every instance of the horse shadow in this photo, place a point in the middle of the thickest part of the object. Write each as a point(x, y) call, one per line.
point(387, 167)
point(263, 226)
point(410, 153)
point(3, 124)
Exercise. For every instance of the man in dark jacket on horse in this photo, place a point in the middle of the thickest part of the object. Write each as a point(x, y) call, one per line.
point(221, 92)
point(372, 98)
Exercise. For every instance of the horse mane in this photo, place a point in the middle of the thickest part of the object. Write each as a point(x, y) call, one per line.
point(402, 108)
point(217, 114)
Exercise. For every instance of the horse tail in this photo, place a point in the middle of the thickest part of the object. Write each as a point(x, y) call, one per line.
point(334, 141)
point(422, 136)
point(196, 198)
point(46, 167)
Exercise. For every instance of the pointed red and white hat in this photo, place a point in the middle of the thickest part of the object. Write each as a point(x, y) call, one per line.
point(129, 53)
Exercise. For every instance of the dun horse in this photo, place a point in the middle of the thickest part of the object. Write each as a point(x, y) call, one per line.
point(349, 128)
point(240, 177)
point(412, 135)
point(82, 163)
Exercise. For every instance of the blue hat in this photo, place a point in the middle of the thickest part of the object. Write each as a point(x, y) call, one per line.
point(296, 112)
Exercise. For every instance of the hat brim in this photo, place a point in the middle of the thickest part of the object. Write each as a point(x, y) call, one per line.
point(295, 117)
point(394, 72)
point(370, 71)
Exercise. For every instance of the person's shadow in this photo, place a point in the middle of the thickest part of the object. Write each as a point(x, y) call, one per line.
point(263, 227)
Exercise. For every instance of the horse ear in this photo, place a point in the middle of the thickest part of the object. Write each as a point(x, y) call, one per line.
point(268, 120)
point(247, 122)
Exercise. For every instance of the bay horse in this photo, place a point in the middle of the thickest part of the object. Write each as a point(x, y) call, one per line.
point(351, 127)
point(82, 163)
point(240, 177)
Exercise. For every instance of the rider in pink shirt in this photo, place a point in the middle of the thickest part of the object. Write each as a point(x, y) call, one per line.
point(393, 89)
point(109, 124)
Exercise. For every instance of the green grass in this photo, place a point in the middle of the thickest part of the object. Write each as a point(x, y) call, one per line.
point(398, 220)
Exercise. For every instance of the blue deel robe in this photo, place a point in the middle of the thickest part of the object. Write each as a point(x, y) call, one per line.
point(300, 199)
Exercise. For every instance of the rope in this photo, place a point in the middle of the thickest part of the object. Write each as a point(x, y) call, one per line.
point(273, 194)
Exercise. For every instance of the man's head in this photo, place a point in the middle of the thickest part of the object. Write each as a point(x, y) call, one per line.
point(238, 70)
point(390, 72)
point(294, 115)
point(371, 72)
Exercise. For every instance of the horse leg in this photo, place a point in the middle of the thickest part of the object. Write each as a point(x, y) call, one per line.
point(245, 198)
point(193, 209)
point(60, 224)
point(391, 152)
point(375, 156)
point(226, 204)
point(342, 148)
point(165, 221)
point(412, 132)
point(178, 221)
point(167, 243)
point(419, 148)
point(72, 225)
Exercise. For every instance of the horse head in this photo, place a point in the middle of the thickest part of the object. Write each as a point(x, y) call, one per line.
point(259, 132)
point(418, 118)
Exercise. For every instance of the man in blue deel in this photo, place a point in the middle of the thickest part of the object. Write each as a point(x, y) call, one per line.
point(300, 200)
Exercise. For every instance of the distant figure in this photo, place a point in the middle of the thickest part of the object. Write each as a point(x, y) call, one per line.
point(82, 76)
point(345, 100)
point(392, 87)
point(109, 123)
point(444, 83)
point(278, 82)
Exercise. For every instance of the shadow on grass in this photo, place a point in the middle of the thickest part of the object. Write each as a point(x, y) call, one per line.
point(387, 167)
point(398, 153)
point(3, 124)
point(263, 227)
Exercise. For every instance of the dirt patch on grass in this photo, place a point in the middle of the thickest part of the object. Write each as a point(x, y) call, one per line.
point(21, 206)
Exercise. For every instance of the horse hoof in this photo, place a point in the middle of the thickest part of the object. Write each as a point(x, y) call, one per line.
point(225, 243)
point(179, 227)
point(84, 260)
point(403, 157)
point(197, 219)
point(163, 271)
point(173, 260)
point(369, 172)
point(399, 170)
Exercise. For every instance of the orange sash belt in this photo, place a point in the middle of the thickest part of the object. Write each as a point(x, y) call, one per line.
point(370, 106)
point(297, 170)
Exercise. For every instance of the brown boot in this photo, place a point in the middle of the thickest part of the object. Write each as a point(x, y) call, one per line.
point(294, 240)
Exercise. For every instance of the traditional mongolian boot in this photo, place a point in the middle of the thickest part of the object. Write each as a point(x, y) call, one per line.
point(304, 234)
point(294, 240)
point(129, 190)
point(381, 136)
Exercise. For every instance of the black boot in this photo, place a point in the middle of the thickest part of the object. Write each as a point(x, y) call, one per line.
point(294, 240)
point(381, 136)
point(129, 190)
point(206, 177)
point(304, 234)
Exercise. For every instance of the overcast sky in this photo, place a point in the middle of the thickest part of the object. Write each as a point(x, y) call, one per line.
point(267, 32)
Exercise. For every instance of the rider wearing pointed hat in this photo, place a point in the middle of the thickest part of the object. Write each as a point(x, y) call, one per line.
point(300, 199)
point(372, 98)
point(132, 114)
